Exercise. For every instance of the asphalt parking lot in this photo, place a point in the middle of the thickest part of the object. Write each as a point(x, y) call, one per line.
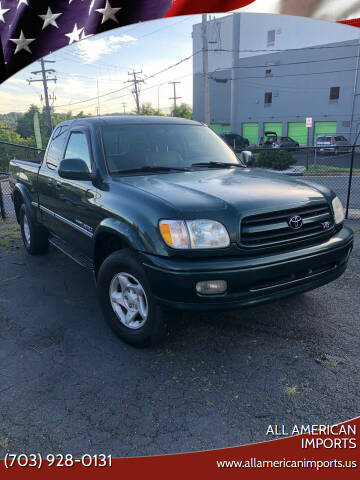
point(67, 384)
point(342, 160)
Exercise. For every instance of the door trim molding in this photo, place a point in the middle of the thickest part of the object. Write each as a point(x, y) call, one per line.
point(67, 222)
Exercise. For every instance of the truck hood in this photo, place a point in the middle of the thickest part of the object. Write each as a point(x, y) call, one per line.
point(244, 190)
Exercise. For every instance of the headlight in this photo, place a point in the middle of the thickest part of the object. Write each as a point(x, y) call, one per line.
point(338, 210)
point(194, 234)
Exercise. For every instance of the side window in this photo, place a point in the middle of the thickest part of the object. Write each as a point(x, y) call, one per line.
point(334, 93)
point(268, 98)
point(270, 38)
point(78, 148)
point(56, 148)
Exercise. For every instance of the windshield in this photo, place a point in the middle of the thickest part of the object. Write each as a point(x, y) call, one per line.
point(154, 145)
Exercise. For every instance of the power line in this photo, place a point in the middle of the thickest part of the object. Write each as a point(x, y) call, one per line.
point(126, 87)
point(289, 75)
point(144, 89)
point(277, 50)
point(272, 64)
point(299, 74)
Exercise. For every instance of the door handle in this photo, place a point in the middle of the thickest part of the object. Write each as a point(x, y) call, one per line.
point(58, 186)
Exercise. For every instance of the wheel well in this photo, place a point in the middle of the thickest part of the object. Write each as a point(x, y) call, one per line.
point(18, 201)
point(106, 244)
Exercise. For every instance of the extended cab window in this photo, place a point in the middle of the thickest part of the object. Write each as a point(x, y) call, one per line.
point(56, 148)
point(78, 147)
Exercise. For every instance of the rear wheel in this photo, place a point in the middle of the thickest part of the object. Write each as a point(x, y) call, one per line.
point(34, 236)
point(128, 303)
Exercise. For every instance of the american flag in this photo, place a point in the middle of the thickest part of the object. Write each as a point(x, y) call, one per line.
point(31, 29)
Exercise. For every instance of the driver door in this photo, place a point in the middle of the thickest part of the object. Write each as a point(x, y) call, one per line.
point(75, 198)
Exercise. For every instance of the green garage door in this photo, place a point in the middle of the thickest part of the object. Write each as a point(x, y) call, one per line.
point(323, 128)
point(298, 132)
point(219, 128)
point(273, 127)
point(251, 132)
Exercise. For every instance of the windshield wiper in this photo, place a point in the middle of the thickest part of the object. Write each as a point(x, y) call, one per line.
point(151, 169)
point(217, 164)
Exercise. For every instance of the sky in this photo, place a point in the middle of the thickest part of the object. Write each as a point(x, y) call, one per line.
point(108, 58)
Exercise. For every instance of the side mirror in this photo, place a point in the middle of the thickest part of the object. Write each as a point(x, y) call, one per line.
point(74, 169)
point(248, 158)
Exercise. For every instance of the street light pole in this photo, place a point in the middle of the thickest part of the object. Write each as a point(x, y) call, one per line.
point(355, 89)
point(205, 57)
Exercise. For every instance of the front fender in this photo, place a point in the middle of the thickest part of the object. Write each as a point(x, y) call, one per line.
point(124, 231)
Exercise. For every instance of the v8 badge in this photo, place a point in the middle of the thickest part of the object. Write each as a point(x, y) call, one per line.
point(326, 225)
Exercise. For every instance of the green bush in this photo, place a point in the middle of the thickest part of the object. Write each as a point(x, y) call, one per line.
point(274, 159)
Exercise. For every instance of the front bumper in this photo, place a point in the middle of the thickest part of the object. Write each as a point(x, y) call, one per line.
point(251, 279)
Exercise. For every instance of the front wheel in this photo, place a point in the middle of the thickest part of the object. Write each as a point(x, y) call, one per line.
point(128, 303)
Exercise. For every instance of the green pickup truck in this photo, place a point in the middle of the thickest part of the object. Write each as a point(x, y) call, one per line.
point(168, 218)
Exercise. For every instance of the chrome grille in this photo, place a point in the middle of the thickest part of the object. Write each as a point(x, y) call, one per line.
point(272, 228)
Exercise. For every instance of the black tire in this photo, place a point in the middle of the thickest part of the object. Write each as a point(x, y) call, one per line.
point(155, 327)
point(34, 235)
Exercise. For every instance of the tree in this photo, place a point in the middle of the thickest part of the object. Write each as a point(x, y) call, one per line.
point(25, 124)
point(19, 129)
point(184, 111)
point(148, 109)
point(7, 152)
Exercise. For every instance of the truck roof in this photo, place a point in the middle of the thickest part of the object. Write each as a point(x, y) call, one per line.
point(131, 119)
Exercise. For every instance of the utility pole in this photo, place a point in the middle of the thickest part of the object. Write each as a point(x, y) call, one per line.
point(136, 90)
point(355, 92)
point(234, 105)
point(174, 97)
point(45, 79)
point(205, 57)
point(124, 107)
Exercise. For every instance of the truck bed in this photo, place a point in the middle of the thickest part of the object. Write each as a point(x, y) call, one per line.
point(25, 172)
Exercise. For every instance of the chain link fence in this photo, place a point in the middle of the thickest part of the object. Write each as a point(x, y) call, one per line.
point(332, 161)
point(334, 166)
point(9, 151)
point(6, 204)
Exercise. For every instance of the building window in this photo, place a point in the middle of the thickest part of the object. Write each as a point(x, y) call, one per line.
point(334, 93)
point(270, 38)
point(268, 98)
point(268, 72)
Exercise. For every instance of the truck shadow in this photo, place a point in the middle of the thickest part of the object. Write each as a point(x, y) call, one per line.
point(218, 380)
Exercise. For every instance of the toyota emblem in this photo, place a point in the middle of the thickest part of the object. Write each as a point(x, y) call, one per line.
point(295, 222)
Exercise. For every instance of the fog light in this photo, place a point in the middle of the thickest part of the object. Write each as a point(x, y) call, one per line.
point(211, 287)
